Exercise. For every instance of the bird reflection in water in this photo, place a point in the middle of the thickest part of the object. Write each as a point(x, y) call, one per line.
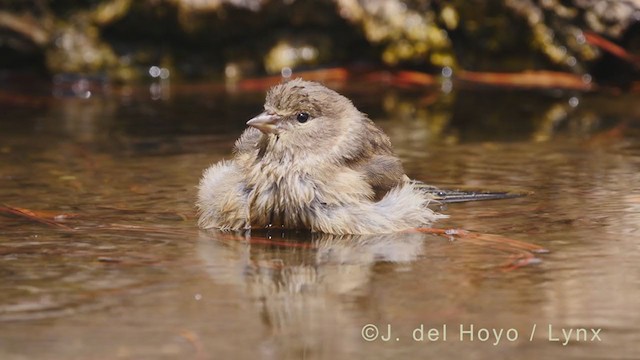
point(304, 284)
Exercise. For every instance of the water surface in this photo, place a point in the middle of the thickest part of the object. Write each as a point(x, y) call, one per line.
point(129, 276)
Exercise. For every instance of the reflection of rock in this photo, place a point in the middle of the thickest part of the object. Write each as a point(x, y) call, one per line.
point(416, 124)
point(301, 291)
point(454, 118)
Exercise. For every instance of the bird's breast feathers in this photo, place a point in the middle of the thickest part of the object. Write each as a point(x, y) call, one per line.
point(289, 193)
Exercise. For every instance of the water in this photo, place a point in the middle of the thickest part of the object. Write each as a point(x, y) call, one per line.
point(131, 277)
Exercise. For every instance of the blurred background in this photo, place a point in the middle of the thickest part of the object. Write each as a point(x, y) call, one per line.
point(126, 40)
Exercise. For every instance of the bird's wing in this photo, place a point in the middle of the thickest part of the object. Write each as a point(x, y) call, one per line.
point(376, 161)
point(382, 172)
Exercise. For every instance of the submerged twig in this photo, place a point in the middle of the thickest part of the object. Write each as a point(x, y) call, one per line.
point(540, 79)
point(337, 74)
point(30, 215)
point(527, 79)
point(522, 252)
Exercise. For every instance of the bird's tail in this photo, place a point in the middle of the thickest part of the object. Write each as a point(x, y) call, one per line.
point(454, 196)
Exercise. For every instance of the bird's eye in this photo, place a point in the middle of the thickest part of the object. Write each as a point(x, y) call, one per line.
point(302, 117)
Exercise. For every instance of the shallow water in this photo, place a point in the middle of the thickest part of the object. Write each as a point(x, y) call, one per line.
point(131, 277)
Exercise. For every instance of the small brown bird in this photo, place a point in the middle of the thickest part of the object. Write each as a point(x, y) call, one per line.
point(311, 160)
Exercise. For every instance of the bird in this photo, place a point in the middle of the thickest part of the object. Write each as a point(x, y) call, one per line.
point(311, 160)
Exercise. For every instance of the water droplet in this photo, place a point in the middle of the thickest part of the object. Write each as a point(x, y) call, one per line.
point(154, 71)
point(286, 72)
point(447, 71)
point(574, 101)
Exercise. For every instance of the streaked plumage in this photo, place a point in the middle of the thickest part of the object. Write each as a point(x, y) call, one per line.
point(311, 160)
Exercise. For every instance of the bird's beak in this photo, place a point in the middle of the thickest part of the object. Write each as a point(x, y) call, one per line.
point(264, 122)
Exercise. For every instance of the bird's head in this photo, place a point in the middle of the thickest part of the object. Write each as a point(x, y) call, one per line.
point(305, 114)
